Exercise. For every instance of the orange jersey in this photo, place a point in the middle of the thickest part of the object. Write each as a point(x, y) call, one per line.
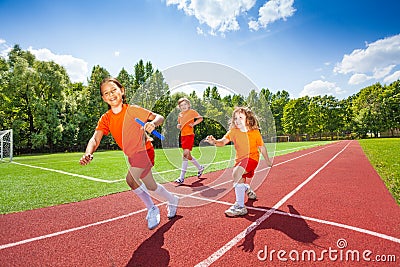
point(246, 143)
point(127, 133)
point(185, 118)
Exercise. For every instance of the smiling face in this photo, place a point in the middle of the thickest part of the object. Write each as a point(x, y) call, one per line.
point(240, 121)
point(112, 94)
point(184, 106)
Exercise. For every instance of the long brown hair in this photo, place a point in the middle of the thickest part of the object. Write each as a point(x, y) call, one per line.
point(251, 119)
point(117, 83)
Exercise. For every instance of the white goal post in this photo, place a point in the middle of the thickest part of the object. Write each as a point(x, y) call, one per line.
point(6, 144)
point(280, 138)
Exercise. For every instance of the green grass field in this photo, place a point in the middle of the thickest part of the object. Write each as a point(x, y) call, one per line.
point(25, 187)
point(383, 153)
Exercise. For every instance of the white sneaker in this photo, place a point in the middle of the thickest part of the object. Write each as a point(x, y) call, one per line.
point(235, 211)
point(171, 208)
point(179, 180)
point(153, 217)
point(251, 194)
point(200, 172)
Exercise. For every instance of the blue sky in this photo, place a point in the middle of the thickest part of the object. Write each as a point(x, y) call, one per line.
point(306, 47)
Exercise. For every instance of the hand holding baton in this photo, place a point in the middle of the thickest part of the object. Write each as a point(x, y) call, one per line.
point(154, 132)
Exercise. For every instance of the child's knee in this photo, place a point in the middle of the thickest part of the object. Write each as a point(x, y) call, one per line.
point(237, 174)
point(186, 154)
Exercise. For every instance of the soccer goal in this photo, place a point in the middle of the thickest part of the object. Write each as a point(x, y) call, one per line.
point(280, 138)
point(6, 144)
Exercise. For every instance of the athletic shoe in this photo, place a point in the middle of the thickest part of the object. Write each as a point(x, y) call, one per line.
point(153, 217)
point(171, 208)
point(179, 180)
point(235, 211)
point(251, 194)
point(200, 172)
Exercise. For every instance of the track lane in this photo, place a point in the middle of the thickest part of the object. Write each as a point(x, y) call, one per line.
point(193, 236)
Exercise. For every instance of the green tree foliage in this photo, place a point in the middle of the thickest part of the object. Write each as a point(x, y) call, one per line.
point(49, 113)
point(295, 116)
point(278, 103)
point(367, 110)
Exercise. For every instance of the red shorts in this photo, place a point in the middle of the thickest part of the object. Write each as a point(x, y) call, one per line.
point(143, 160)
point(249, 165)
point(187, 141)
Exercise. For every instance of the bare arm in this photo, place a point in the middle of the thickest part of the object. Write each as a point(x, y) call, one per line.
point(91, 147)
point(217, 142)
point(156, 120)
point(197, 121)
point(264, 152)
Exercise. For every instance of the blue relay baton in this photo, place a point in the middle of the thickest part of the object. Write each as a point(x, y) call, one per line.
point(154, 132)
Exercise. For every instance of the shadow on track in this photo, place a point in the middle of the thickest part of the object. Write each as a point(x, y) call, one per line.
point(294, 227)
point(151, 251)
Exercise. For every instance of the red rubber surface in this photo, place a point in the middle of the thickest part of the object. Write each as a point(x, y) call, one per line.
point(344, 200)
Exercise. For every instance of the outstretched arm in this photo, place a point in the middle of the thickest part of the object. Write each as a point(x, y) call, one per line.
point(217, 142)
point(264, 152)
point(91, 147)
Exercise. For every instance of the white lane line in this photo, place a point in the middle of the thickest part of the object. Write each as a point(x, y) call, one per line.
point(127, 215)
point(219, 253)
point(9, 245)
point(340, 225)
point(67, 173)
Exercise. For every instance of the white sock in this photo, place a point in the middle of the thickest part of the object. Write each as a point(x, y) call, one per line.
point(247, 186)
point(142, 193)
point(184, 168)
point(195, 163)
point(240, 190)
point(161, 191)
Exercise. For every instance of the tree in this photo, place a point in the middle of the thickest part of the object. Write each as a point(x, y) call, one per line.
point(295, 116)
point(91, 107)
point(50, 82)
point(278, 102)
point(390, 99)
point(127, 81)
point(367, 110)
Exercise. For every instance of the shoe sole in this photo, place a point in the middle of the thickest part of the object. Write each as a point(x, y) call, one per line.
point(232, 215)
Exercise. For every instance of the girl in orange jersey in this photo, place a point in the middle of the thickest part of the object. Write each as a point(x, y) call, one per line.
point(245, 134)
point(187, 119)
point(131, 137)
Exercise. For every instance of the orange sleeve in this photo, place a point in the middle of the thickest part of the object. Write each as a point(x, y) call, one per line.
point(228, 136)
point(104, 124)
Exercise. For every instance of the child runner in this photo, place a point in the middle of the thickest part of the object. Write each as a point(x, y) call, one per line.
point(245, 134)
point(187, 119)
point(119, 120)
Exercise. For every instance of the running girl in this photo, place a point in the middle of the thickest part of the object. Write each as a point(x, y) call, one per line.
point(245, 134)
point(119, 120)
point(187, 119)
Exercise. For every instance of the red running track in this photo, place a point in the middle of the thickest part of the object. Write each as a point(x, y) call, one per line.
point(319, 206)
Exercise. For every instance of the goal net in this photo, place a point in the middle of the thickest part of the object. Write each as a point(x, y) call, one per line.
point(6, 145)
point(280, 138)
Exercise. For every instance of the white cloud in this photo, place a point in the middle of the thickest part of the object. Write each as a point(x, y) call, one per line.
point(116, 53)
point(220, 16)
point(4, 48)
point(199, 31)
point(359, 78)
point(77, 68)
point(376, 61)
point(322, 88)
point(272, 11)
point(393, 77)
